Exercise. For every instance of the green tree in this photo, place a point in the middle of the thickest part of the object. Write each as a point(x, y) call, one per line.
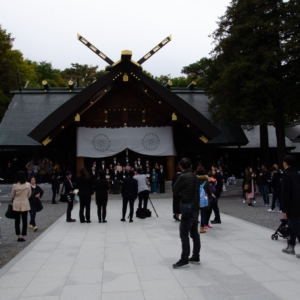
point(11, 61)
point(83, 75)
point(255, 65)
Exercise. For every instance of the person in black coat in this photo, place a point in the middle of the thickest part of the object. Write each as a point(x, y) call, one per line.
point(35, 202)
point(129, 194)
point(85, 186)
point(101, 188)
point(115, 180)
point(275, 183)
point(290, 201)
point(93, 175)
point(9, 173)
point(215, 207)
point(161, 179)
point(55, 187)
point(69, 188)
point(176, 199)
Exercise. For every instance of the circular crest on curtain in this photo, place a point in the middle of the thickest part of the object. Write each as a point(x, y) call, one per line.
point(101, 142)
point(150, 141)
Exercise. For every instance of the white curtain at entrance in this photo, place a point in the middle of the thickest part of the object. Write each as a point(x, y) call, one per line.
point(103, 142)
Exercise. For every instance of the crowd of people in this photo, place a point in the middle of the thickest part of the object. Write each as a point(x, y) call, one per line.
point(193, 192)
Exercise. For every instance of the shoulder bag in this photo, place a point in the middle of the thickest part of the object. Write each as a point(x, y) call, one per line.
point(10, 214)
point(63, 197)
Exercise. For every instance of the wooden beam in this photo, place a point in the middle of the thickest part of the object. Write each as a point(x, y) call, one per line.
point(170, 166)
point(79, 164)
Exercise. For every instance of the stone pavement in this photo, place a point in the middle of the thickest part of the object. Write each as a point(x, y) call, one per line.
point(133, 261)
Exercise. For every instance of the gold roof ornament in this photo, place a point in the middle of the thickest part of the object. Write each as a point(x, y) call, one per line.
point(77, 118)
point(46, 141)
point(203, 139)
point(174, 117)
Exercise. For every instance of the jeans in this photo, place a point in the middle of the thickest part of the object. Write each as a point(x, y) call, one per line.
point(189, 227)
point(41, 178)
point(265, 193)
point(275, 198)
point(32, 218)
point(294, 224)
point(208, 214)
point(20, 214)
point(203, 217)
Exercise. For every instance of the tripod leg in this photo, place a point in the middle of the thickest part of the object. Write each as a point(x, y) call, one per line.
point(153, 207)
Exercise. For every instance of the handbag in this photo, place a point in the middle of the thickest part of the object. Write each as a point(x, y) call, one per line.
point(187, 208)
point(63, 197)
point(39, 205)
point(246, 187)
point(10, 214)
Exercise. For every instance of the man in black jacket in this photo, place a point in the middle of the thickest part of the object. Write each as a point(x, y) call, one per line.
point(215, 206)
point(115, 181)
point(187, 186)
point(161, 179)
point(265, 176)
point(93, 176)
point(129, 194)
point(275, 183)
point(69, 188)
point(290, 201)
point(54, 187)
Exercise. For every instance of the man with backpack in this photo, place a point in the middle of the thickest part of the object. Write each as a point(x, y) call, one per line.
point(187, 186)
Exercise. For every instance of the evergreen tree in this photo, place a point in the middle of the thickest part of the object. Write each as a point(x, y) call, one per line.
point(255, 65)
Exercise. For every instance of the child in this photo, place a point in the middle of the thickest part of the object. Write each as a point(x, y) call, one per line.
point(232, 178)
point(35, 202)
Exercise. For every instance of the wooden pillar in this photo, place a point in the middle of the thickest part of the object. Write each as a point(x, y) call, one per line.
point(79, 164)
point(170, 167)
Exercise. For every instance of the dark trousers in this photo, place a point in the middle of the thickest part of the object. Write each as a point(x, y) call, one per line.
point(47, 178)
point(294, 223)
point(70, 208)
point(203, 217)
point(208, 214)
point(41, 178)
point(215, 208)
point(32, 218)
point(131, 206)
point(143, 196)
point(275, 197)
point(189, 227)
point(85, 203)
point(162, 186)
point(265, 193)
point(54, 193)
point(115, 186)
point(20, 215)
point(102, 207)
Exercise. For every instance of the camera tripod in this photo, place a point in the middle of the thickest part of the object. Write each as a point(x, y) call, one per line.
point(152, 206)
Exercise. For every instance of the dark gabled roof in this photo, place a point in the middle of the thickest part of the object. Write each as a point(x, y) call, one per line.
point(67, 109)
point(24, 113)
point(61, 113)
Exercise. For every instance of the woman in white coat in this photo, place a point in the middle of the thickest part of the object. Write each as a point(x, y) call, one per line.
point(21, 192)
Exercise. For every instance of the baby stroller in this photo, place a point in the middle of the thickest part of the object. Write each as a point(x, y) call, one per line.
point(283, 230)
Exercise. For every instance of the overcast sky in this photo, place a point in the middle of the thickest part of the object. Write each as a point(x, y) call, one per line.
point(47, 30)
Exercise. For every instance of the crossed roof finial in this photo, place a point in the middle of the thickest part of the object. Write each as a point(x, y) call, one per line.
point(110, 62)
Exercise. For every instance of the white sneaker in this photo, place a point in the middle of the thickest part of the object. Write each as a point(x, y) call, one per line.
point(254, 202)
point(271, 210)
point(280, 211)
point(244, 201)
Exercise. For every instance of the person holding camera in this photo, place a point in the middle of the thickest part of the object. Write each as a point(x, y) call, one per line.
point(69, 188)
point(143, 192)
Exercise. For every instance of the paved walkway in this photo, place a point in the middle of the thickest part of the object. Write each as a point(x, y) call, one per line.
point(133, 261)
